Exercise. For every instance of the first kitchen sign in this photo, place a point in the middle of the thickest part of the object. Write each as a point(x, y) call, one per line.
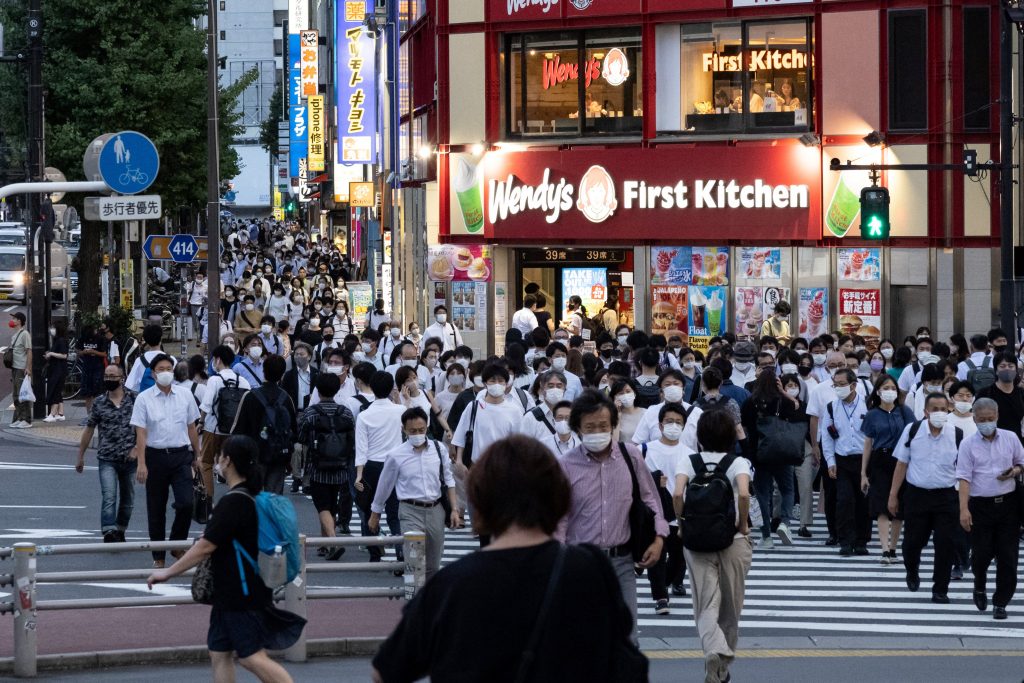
point(646, 194)
point(530, 10)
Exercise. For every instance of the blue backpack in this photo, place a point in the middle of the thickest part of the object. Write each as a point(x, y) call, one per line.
point(278, 526)
point(147, 376)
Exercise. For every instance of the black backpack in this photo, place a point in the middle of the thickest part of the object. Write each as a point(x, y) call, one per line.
point(981, 377)
point(276, 436)
point(597, 327)
point(225, 404)
point(647, 395)
point(331, 447)
point(708, 522)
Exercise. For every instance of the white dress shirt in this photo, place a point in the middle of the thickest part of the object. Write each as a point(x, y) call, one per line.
point(648, 429)
point(165, 417)
point(414, 474)
point(378, 431)
point(447, 333)
point(930, 460)
point(538, 429)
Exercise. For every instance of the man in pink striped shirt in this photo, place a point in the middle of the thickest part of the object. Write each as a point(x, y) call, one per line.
point(602, 492)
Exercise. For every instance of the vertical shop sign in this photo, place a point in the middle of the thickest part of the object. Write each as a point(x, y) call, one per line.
point(316, 133)
point(309, 63)
point(357, 96)
point(297, 127)
point(500, 321)
point(360, 302)
point(860, 313)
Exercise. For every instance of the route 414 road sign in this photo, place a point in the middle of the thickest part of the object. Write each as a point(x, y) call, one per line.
point(177, 248)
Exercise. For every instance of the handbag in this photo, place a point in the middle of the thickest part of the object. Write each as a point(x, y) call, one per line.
point(446, 504)
point(467, 450)
point(9, 351)
point(201, 503)
point(202, 583)
point(780, 442)
point(641, 517)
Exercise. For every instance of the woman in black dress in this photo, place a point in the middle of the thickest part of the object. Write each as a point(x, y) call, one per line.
point(56, 371)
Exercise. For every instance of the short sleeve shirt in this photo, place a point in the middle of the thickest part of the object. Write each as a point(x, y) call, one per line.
point(235, 519)
point(739, 466)
point(116, 433)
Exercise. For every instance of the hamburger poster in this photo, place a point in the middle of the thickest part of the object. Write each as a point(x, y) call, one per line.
point(860, 313)
point(458, 263)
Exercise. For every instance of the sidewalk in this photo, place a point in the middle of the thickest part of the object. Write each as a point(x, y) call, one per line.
point(67, 433)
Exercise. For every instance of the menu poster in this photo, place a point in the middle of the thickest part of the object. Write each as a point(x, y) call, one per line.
point(759, 263)
point(860, 312)
point(481, 306)
point(690, 266)
point(440, 296)
point(860, 265)
point(813, 312)
point(589, 284)
point(464, 308)
point(753, 306)
point(500, 302)
point(360, 302)
point(706, 307)
point(459, 263)
point(669, 313)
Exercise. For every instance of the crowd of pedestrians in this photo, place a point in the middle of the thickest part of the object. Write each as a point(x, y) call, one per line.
point(646, 457)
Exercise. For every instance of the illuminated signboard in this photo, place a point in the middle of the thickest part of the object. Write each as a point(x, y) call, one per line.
point(357, 96)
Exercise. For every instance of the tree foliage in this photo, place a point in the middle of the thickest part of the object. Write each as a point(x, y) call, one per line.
point(269, 128)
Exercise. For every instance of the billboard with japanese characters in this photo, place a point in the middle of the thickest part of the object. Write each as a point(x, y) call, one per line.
point(356, 85)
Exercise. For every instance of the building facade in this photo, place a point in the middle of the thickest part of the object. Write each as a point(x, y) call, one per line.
point(677, 156)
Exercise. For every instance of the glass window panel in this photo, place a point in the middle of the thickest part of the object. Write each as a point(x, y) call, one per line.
point(552, 85)
point(778, 60)
point(908, 70)
point(712, 77)
point(612, 74)
point(977, 47)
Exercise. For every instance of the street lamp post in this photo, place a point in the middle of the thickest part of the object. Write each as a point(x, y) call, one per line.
point(212, 182)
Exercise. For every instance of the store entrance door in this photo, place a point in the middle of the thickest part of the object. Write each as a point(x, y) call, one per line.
point(911, 308)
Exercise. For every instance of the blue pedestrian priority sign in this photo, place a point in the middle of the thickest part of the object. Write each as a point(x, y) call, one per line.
point(129, 162)
point(184, 248)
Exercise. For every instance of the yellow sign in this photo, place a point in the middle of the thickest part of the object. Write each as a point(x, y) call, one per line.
point(277, 198)
point(360, 194)
point(278, 213)
point(127, 299)
point(309, 62)
point(316, 133)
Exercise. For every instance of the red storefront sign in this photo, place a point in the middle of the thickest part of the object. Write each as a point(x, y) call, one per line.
point(665, 193)
point(534, 10)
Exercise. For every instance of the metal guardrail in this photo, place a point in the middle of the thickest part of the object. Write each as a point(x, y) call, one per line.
point(24, 579)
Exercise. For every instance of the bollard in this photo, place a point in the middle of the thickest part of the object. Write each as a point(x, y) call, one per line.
point(25, 648)
point(415, 543)
point(295, 601)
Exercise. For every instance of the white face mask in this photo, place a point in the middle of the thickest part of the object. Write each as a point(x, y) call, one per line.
point(938, 419)
point(358, 356)
point(255, 352)
point(622, 339)
point(164, 379)
point(265, 329)
point(987, 428)
point(396, 332)
point(250, 307)
point(842, 393)
point(478, 382)
point(672, 431)
point(463, 362)
point(788, 369)
point(690, 364)
point(334, 369)
point(495, 390)
point(626, 400)
point(367, 347)
point(770, 351)
point(417, 440)
point(558, 363)
point(410, 363)
point(596, 443)
point(742, 366)
point(673, 393)
point(963, 406)
point(858, 349)
point(218, 470)
point(456, 380)
point(793, 392)
point(886, 353)
point(819, 359)
point(554, 395)
point(933, 388)
point(925, 358)
point(888, 395)
point(441, 318)
point(562, 427)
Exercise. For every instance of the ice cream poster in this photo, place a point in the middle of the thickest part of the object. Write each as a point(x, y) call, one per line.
point(459, 263)
point(760, 263)
point(690, 266)
point(753, 306)
point(669, 310)
point(589, 284)
point(707, 305)
point(466, 197)
point(813, 312)
point(860, 265)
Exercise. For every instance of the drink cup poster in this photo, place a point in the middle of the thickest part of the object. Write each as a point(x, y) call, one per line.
point(760, 263)
point(589, 284)
point(669, 310)
point(813, 312)
point(707, 306)
point(466, 195)
point(707, 266)
point(860, 265)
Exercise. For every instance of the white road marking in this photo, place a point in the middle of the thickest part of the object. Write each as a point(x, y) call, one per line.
point(9, 309)
point(43, 507)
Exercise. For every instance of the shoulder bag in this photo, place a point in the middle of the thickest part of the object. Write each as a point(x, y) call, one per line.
point(779, 441)
point(641, 518)
point(201, 501)
point(467, 451)
point(446, 504)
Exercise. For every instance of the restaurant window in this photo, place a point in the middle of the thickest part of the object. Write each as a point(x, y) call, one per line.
point(977, 74)
point(551, 77)
point(745, 77)
point(908, 73)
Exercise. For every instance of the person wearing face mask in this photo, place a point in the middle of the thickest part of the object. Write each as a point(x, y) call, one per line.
point(558, 354)
point(391, 340)
point(141, 375)
point(961, 395)
point(454, 383)
point(884, 423)
point(56, 371)
point(769, 345)
point(743, 366)
point(664, 457)
point(111, 414)
point(622, 338)
point(539, 421)
point(430, 373)
point(268, 335)
point(492, 416)
point(369, 347)
point(444, 330)
point(329, 342)
point(622, 392)
point(196, 296)
point(377, 317)
point(564, 439)
point(164, 417)
point(411, 395)
point(842, 439)
point(1005, 392)
point(415, 471)
point(911, 374)
point(277, 303)
point(987, 463)
point(777, 324)
point(978, 368)
point(267, 414)
point(414, 334)
point(997, 340)
point(606, 349)
point(248, 319)
point(931, 383)
point(601, 475)
point(819, 355)
point(671, 384)
point(250, 366)
point(926, 456)
point(691, 370)
point(403, 356)
point(220, 400)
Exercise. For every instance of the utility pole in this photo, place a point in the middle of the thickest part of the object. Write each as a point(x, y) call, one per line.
point(1007, 290)
point(38, 296)
point(212, 182)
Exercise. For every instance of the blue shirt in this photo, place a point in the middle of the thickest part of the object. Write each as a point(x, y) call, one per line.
point(848, 420)
point(884, 428)
point(930, 460)
point(738, 394)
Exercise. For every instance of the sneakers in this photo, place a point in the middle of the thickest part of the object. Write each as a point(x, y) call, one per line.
point(846, 551)
point(715, 668)
point(860, 550)
point(110, 536)
point(980, 600)
point(766, 543)
point(784, 534)
point(804, 532)
point(884, 558)
point(661, 607)
point(957, 573)
point(678, 589)
point(50, 418)
point(61, 418)
point(21, 424)
point(940, 598)
point(335, 554)
point(999, 613)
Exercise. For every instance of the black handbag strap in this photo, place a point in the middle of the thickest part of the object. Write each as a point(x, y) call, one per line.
point(632, 472)
point(529, 654)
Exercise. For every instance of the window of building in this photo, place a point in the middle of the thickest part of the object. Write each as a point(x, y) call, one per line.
point(908, 72)
point(738, 77)
point(550, 78)
point(254, 102)
point(977, 75)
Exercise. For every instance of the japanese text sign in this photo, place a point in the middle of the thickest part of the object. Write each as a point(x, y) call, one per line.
point(356, 87)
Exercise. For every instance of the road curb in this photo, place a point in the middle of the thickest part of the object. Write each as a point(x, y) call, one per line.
point(27, 434)
point(193, 654)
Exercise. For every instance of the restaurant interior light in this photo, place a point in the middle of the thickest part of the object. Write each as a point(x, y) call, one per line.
point(549, 55)
point(425, 152)
point(598, 55)
point(810, 140)
point(477, 149)
point(874, 139)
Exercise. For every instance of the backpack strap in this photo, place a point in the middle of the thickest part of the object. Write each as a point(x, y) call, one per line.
point(914, 429)
point(538, 414)
point(972, 366)
point(523, 398)
point(987, 362)
point(958, 434)
point(252, 372)
point(689, 411)
point(694, 393)
point(697, 463)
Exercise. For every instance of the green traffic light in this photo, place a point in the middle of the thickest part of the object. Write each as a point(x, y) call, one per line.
point(874, 227)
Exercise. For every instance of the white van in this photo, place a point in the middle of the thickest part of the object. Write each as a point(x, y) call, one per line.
point(13, 275)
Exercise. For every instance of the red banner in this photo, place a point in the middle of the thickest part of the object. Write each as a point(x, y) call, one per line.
point(668, 193)
point(534, 10)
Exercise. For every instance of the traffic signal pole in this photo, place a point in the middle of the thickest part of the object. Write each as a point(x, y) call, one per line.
point(38, 296)
point(1007, 288)
point(212, 183)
